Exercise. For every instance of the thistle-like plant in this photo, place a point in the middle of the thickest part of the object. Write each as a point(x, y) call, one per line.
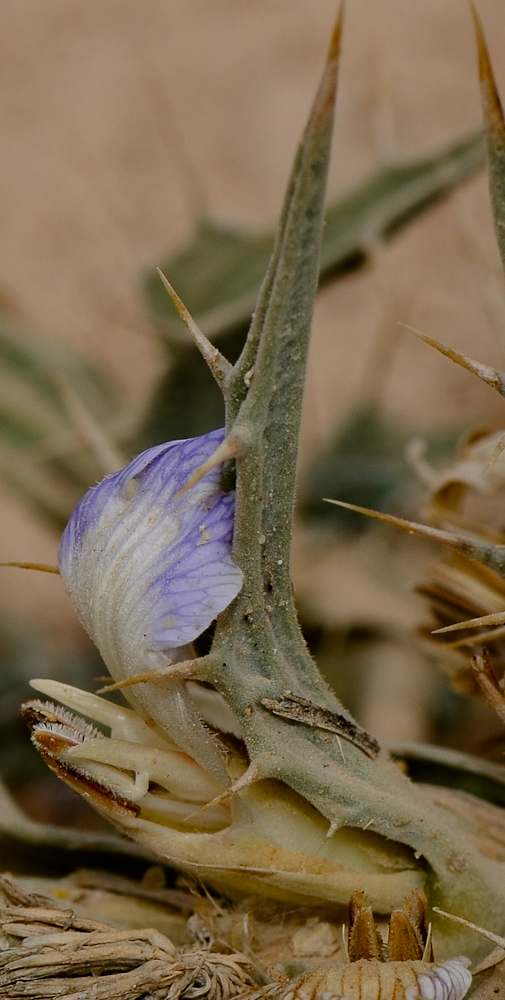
point(241, 766)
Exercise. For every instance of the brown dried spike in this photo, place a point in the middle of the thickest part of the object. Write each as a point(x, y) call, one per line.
point(404, 942)
point(364, 939)
point(408, 931)
point(415, 908)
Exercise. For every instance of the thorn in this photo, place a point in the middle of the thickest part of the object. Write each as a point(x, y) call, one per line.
point(185, 670)
point(325, 96)
point(313, 148)
point(427, 953)
point(483, 552)
point(229, 448)
point(497, 618)
point(249, 777)
point(334, 52)
point(490, 98)
point(216, 361)
point(344, 944)
point(474, 927)
point(491, 376)
point(42, 567)
point(491, 636)
point(333, 827)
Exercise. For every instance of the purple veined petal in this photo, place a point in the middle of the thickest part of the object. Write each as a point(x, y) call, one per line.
point(146, 569)
point(449, 981)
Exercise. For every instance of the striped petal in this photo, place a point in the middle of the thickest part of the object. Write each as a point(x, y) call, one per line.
point(147, 567)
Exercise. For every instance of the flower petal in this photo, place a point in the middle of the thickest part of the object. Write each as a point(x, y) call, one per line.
point(147, 567)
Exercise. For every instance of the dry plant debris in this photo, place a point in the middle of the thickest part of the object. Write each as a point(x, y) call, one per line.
point(49, 952)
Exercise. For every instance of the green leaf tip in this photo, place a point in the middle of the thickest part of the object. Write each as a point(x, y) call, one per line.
point(301, 223)
point(495, 132)
point(264, 392)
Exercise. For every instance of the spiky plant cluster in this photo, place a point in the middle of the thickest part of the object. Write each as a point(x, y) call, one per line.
point(241, 766)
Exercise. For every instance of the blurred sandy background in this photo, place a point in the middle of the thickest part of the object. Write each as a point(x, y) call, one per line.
point(104, 107)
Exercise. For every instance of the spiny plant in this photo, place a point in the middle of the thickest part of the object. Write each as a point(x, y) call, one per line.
point(64, 424)
point(241, 766)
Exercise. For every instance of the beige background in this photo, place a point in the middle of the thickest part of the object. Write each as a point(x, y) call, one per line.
point(103, 107)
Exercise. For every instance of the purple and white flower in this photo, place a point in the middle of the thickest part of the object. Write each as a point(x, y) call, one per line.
point(148, 567)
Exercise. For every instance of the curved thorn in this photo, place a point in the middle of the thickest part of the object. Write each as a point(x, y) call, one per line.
point(491, 376)
point(216, 361)
point(249, 777)
point(229, 448)
point(185, 670)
